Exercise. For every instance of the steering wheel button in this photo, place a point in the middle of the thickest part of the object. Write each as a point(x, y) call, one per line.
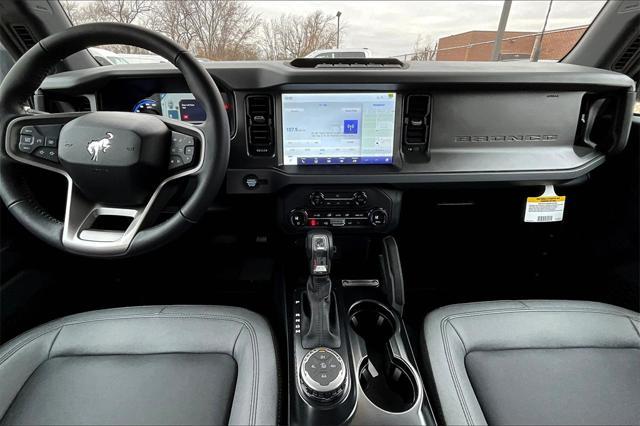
point(188, 150)
point(51, 142)
point(175, 161)
point(49, 154)
point(26, 140)
point(27, 130)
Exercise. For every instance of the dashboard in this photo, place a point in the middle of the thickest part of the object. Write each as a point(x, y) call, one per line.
point(415, 124)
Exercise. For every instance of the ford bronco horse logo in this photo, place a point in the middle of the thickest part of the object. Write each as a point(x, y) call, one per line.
point(102, 145)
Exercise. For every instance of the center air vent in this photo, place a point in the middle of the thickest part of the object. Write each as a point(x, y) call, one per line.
point(260, 125)
point(416, 123)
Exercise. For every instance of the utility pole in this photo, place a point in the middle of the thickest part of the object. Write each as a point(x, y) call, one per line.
point(504, 16)
point(338, 15)
point(537, 45)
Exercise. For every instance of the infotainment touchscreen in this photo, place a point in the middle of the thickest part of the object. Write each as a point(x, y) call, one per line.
point(338, 128)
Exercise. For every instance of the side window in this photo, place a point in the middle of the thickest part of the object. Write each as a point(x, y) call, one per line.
point(6, 62)
point(636, 110)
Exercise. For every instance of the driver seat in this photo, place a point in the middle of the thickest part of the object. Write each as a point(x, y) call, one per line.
point(144, 365)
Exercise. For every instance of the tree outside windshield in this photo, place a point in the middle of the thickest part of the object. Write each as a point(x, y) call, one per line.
point(229, 30)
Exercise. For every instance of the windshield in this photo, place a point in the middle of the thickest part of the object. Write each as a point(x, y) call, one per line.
point(224, 30)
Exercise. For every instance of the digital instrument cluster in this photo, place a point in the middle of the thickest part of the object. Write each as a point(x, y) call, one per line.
point(178, 106)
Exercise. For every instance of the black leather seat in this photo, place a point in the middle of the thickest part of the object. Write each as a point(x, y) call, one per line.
point(144, 365)
point(534, 362)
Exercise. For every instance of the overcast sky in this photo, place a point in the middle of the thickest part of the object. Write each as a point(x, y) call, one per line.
point(391, 27)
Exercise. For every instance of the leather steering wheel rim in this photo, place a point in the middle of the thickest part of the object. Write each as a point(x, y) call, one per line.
point(27, 74)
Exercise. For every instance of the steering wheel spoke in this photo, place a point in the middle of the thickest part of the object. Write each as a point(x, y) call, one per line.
point(81, 233)
point(34, 139)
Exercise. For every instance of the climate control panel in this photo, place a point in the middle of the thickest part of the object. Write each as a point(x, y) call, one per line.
point(371, 209)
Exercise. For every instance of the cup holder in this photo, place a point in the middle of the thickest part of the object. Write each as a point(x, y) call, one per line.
point(386, 380)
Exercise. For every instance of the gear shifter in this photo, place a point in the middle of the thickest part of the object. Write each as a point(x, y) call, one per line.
point(319, 250)
point(321, 328)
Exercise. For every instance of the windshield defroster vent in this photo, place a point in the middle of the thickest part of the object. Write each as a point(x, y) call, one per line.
point(260, 125)
point(341, 63)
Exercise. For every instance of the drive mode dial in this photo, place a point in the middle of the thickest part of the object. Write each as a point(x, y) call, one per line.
point(322, 374)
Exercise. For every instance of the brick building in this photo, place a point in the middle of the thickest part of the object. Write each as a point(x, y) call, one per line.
point(478, 45)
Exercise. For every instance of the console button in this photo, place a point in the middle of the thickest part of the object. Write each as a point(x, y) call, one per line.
point(298, 218)
point(322, 374)
point(251, 181)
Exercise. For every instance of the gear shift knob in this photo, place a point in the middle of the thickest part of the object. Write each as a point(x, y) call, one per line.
point(320, 251)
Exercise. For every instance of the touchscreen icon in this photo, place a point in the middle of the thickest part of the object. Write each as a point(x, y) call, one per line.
point(350, 127)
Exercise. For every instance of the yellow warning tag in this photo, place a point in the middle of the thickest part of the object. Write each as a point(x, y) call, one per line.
point(548, 207)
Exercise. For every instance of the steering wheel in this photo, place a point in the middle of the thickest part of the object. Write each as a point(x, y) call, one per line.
point(116, 163)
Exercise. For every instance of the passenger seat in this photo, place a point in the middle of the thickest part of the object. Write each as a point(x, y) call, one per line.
point(534, 362)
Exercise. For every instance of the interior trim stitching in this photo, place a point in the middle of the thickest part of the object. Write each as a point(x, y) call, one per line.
point(452, 370)
point(499, 311)
point(20, 345)
point(53, 325)
point(633, 324)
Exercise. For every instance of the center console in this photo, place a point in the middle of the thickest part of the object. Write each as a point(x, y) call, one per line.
point(351, 360)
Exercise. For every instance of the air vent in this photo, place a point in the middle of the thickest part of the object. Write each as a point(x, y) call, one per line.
point(601, 122)
point(260, 125)
point(341, 63)
point(416, 122)
point(24, 35)
point(628, 56)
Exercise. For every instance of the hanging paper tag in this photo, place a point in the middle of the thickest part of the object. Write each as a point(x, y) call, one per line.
point(548, 207)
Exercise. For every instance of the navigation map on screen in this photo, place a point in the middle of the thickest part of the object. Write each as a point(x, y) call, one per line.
point(338, 128)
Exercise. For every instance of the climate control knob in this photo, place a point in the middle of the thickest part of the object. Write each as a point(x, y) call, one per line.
point(316, 199)
point(323, 374)
point(360, 198)
point(298, 218)
point(378, 217)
